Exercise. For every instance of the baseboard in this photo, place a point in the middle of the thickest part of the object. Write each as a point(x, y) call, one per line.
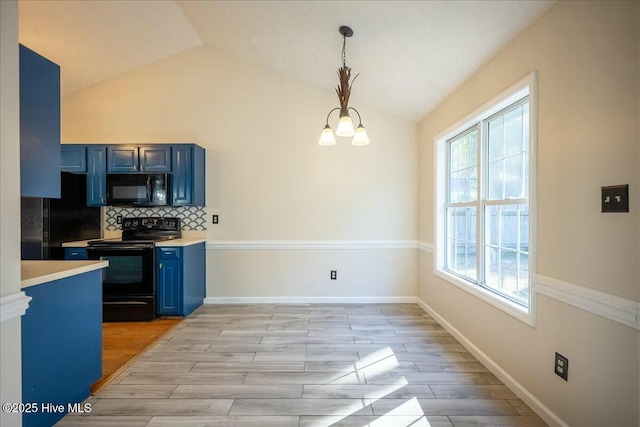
point(543, 411)
point(310, 300)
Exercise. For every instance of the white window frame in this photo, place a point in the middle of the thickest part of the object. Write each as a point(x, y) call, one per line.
point(524, 87)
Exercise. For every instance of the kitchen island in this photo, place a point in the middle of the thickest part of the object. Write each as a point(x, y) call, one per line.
point(61, 337)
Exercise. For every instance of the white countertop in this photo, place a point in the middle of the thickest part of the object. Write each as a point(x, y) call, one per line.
point(38, 272)
point(184, 241)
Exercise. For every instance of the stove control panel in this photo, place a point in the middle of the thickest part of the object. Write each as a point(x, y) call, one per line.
point(151, 223)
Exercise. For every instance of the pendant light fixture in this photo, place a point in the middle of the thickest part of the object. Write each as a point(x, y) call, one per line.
point(345, 125)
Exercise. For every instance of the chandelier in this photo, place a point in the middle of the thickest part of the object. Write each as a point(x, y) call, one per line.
point(345, 125)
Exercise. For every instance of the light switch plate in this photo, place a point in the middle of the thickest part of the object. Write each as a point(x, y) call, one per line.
point(615, 198)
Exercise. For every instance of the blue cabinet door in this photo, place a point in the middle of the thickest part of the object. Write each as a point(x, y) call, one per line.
point(122, 158)
point(39, 126)
point(73, 158)
point(96, 175)
point(155, 158)
point(188, 176)
point(169, 281)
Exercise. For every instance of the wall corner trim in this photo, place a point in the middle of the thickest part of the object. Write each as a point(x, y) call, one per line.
point(613, 307)
point(13, 306)
point(425, 247)
point(541, 409)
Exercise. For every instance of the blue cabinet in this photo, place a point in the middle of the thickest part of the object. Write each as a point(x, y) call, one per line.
point(188, 177)
point(181, 279)
point(61, 345)
point(75, 253)
point(146, 158)
point(39, 126)
point(73, 158)
point(96, 175)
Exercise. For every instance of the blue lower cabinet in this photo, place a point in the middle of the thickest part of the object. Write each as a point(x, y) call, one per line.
point(75, 253)
point(181, 279)
point(61, 346)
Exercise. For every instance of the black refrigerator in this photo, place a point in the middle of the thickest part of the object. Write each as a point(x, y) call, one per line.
point(47, 223)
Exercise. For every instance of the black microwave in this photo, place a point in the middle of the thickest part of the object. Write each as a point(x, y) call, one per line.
point(138, 189)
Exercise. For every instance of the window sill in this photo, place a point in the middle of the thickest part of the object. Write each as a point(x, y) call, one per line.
point(521, 313)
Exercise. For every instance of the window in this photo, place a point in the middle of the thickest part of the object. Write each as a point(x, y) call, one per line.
point(483, 209)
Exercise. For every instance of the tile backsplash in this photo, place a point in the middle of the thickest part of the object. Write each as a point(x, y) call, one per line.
point(194, 218)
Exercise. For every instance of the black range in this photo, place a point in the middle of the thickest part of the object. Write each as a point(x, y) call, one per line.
point(129, 283)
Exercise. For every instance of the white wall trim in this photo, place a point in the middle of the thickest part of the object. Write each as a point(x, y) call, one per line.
point(13, 306)
point(425, 247)
point(543, 411)
point(613, 307)
point(310, 300)
point(310, 244)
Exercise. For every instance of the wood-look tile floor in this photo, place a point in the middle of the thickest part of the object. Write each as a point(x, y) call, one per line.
point(307, 365)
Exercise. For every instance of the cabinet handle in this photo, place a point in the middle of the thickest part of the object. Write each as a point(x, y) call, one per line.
point(141, 167)
point(160, 265)
point(135, 168)
point(74, 253)
point(102, 200)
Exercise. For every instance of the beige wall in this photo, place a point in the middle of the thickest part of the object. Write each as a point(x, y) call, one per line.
point(267, 178)
point(10, 362)
point(587, 56)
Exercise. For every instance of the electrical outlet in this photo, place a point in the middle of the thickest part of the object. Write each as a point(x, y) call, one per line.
point(215, 219)
point(334, 274)
point(615, 198)
point(562, 366)
point(118, 219)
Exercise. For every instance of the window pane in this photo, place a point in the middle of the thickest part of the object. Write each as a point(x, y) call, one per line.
point(473, 148)
point(513, 132)
point(495, 180)
point(454, 164)
point(471, 262)
point(513, 177)
point(473, 184)
point(492, 227)
point(524, 228)
point(508, 272)
point(523, 278)
point(496, 139)
point(464, 151)
point(509, 227)
point(454, 187)
point(492, 267)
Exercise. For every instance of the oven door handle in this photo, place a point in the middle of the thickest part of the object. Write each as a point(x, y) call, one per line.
point(119, 248)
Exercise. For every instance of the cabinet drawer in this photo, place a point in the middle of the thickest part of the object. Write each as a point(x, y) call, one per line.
point(165, 254)
point(75, 253)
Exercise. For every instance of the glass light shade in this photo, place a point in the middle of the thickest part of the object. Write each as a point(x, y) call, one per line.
point(345, 127)
point(361, 137)
point(327, 138)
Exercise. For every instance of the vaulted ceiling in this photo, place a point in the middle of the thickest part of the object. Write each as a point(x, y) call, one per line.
point(410, 54)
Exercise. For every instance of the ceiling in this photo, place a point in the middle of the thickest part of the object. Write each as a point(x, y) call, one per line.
point(410, 54)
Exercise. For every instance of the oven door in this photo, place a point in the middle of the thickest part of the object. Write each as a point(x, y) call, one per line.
point(128, 284)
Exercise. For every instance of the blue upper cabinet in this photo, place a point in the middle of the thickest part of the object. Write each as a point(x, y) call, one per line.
point(39, 126)
point(155, 158)
point(188, 176)
point(96, 175)
point(146, 158)
point(73, 158)
point(123, 158)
